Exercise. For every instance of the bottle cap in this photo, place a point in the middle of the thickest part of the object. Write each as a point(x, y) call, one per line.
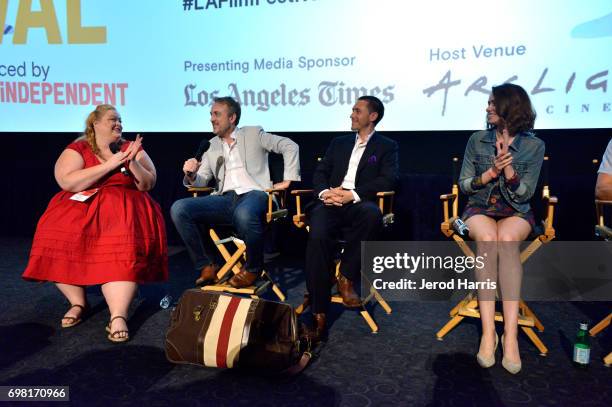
point(584, 326)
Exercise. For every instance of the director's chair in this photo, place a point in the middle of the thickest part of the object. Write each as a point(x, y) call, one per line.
point(385, 204)
point(605, 233)
point(235, 260)
point(542, 234)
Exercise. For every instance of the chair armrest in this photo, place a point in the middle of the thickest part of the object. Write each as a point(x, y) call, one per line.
point(552, 200)
point(276, 190)
point(448, 197)
point(199, 190)
point(300, 217)
point(299, 192)
point(385, 193)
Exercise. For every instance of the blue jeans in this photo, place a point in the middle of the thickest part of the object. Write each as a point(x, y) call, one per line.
point(246, 213)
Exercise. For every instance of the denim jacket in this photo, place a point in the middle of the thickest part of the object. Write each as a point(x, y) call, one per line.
point(527, 155)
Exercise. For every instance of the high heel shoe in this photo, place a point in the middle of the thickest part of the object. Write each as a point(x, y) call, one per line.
point(511, 367)
point(487, 361)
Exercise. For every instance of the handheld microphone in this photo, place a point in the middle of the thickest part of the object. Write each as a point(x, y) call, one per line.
point(202, 148)
point(115, 147)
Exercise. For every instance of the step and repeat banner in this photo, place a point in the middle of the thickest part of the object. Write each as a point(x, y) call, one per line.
point(299, 65)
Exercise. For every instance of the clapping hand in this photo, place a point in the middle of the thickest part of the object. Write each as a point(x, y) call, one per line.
point(504, 157)
point(502, 161)
point(132, 150)
point(117, 159)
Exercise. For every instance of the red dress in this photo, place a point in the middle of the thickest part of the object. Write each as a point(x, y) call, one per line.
point(118, 234)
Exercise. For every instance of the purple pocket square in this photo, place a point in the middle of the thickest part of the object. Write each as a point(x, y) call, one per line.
point(372, 159)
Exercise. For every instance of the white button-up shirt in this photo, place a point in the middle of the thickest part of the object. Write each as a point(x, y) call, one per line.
point(351, 172)
point(236, 176)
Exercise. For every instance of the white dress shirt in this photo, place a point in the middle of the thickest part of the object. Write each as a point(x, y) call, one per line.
point(237, 178)
point(351, 172)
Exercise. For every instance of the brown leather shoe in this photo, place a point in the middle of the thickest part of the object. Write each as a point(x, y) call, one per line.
point(347, 292)
point(318, 331)
point(208, 274)
point(243, 279)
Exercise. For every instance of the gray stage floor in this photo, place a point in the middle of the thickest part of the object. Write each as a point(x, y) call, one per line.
point(403, 365)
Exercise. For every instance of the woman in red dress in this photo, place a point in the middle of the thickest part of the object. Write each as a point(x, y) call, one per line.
point(116, 237)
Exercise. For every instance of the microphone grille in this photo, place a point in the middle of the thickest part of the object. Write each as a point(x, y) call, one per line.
point(114, 147)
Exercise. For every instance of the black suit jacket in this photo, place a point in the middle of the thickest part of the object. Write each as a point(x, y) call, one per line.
point(377, 170)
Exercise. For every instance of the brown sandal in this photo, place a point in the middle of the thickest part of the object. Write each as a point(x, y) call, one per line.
point(113, 336)
point(72, 321)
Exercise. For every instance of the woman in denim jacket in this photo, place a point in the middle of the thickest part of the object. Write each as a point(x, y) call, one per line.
point(500, 171)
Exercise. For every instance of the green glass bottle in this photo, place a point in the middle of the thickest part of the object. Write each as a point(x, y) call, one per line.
point(582, 347)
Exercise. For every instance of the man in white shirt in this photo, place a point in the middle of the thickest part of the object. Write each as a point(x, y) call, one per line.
point(238, 161)
point(603, 188)
point(354, 169)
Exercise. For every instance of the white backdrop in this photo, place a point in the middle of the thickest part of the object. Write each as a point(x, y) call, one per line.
point(298, 65)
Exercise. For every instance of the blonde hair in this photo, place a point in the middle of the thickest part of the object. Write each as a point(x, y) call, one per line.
point(89, 134)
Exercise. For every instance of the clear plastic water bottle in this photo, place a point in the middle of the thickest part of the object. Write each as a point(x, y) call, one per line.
point(166, 301)
point(582, 347)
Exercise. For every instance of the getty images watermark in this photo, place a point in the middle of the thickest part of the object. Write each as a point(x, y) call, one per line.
point(405, 262)
point(425, 271)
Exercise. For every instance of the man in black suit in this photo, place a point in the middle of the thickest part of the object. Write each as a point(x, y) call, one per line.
point(354, 169)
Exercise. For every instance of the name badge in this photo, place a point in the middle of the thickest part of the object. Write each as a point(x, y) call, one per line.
point(84, 195)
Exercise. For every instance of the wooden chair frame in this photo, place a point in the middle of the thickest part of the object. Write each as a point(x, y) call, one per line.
point(604, 232)
point(235, 260)
point(468, 307)
point(385, 204)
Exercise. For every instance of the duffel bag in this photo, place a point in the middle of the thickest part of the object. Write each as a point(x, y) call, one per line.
point(226, 331)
